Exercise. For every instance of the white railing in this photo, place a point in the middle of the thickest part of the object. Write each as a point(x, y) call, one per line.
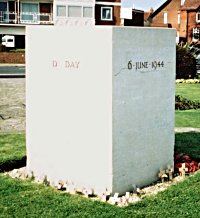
point(36, 18)
point(8, 17)
point(26, 18)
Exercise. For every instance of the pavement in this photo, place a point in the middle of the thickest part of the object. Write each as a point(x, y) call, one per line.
point(187, 129)
point(12, 105)
point(12, 70)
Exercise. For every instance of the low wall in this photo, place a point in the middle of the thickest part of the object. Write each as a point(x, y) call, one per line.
point(12, 57)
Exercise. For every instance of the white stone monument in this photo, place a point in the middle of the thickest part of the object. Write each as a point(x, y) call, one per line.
point(100, 105)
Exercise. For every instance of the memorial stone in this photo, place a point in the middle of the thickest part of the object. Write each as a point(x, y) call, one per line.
point(100, 105)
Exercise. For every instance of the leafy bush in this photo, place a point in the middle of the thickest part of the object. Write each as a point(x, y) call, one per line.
point(185, 63)
point(185, 104)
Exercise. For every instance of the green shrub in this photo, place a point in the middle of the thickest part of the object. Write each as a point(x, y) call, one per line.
point(185, 104)
point(17, 50)
point(185, 63)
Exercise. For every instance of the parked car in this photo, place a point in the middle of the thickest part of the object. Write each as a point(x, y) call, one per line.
point(8, 41)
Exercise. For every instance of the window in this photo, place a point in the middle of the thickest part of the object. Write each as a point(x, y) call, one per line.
point(29, 12)
point(3, 6)
point(61, 11)
point(165, 17)
point(179, 18)
point(177, 36)
point(182, 2)
point(74, 11)
point(198, 17)
point(3, 11)
point(196, 34)
point(45, 10)
point(87, 12)
point(106, 13)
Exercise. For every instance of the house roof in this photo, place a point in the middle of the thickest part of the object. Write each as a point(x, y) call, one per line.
point(160, 8)
point(191, 5)
point(146, 15)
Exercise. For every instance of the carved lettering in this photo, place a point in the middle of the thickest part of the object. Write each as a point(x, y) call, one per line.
point(142, 65)
point(130, 65)
point(72, 64)
point(55, 63)
point(77, 64)
point(69, 64)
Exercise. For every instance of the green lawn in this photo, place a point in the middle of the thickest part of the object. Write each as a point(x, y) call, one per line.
point(24, 199)
point(188, 143)
point(189, 91)
point(188, 118)
point(12, 150)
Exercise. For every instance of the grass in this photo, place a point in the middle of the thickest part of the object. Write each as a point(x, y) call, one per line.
point(18, 50)
point(188, 143)
point(189, 91)
point(25, 199)
point(188, 118)
point(12, 150)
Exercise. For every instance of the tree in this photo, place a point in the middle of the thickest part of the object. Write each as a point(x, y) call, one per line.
point(185, 63)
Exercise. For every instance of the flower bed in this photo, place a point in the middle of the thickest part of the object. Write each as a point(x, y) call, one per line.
point(185, 104)
point(188, 81)
point(190, 165)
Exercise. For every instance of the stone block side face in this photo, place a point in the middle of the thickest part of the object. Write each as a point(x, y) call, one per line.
point(69, 105)
point(143, 105)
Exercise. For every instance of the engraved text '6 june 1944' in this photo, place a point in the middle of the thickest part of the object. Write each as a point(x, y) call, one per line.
point(145, 65)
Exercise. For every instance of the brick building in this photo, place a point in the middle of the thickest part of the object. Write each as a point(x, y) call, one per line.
point(190, 21)
point(183, 15)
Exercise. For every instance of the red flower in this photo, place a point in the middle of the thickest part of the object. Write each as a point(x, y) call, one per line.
point(190, 165)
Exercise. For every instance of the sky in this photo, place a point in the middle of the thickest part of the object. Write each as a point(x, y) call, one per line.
point(143, 4)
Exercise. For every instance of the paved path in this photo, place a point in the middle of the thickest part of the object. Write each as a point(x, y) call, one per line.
point(187, 129)
point(12, 105)
point(12, 70)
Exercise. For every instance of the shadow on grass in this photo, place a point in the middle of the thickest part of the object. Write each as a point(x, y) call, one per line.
point(188, 143)
point(12, 164)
